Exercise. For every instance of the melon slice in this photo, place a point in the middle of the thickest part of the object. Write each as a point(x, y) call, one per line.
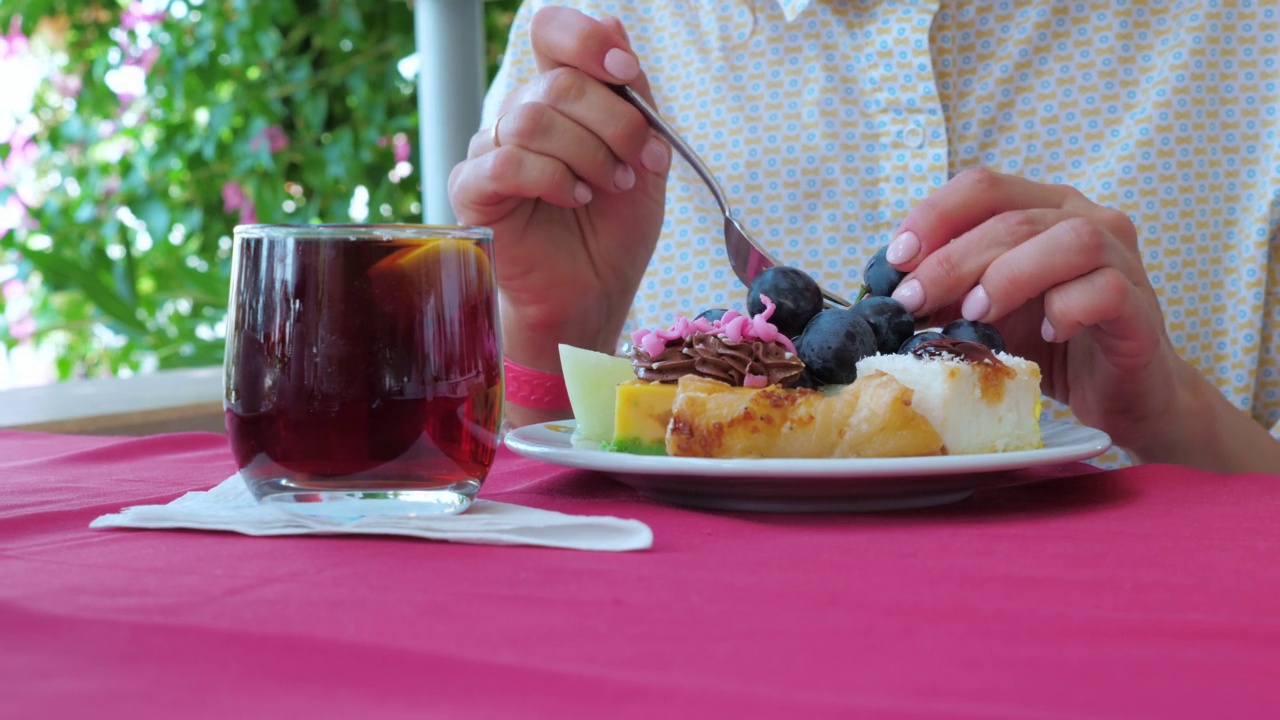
point(592, 379)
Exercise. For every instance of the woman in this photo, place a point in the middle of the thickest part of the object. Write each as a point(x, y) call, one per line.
point(1058, 173)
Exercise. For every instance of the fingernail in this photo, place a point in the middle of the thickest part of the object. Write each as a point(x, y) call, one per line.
point(976, 304)
point(621, 64)
point(654, 156)
point(903, 248)
point(582, 193)
point(1047, 332)
point(624, 177)
point(910, 294)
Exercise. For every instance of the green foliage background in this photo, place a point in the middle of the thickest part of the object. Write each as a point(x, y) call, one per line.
point(324, 71)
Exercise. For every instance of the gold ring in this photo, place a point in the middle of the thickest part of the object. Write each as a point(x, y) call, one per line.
point(494, 132)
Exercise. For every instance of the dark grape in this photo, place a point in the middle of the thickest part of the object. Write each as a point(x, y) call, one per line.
point(796, 294)
point(832, 344)
point(880, 278)
point(975, 331)
point(711, 314)
point(892, 323)
point(918, 339)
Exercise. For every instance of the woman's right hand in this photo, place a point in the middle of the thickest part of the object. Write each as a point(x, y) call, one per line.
point(573, 190)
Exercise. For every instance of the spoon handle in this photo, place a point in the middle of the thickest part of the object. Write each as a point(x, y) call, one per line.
point(677, 142)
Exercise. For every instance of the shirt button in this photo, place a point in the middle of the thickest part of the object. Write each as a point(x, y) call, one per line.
point(913, 136)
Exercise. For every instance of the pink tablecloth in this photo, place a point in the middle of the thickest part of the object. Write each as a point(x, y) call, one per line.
point(1145, 593)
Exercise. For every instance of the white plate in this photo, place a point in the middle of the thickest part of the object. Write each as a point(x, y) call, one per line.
point(807, 485)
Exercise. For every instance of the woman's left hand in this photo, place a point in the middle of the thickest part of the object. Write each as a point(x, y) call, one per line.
point(1062, 278)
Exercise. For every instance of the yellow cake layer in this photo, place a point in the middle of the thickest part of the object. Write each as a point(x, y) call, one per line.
point(641, 415)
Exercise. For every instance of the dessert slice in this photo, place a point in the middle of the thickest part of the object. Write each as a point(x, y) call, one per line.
point(873, 417)
point(738, 350)
point(978, 401)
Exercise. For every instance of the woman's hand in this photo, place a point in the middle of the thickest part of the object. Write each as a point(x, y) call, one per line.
point(1062, 278)
point(572, 181)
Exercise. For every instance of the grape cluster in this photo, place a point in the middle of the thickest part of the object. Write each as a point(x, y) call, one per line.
point(831, 341)
point(795, 293)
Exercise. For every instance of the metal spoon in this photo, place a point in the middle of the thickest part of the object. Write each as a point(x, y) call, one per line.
point(747, 258)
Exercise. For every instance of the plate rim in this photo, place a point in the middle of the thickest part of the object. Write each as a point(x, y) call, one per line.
point(1094, 443)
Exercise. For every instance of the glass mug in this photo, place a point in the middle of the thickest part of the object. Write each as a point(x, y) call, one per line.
point(363, 366)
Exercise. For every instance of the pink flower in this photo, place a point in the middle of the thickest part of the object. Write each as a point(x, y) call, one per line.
point(14, 43)
point(147, 59)
point(22, 153)
point(66, 85)
point(25, 325)
point(13, 215)
point(22, 328)
point(400, 146)
point(13, 289)
point(232, 196)
point(248, 213)
point(275, 138)
point(135, 15)
point(110, 186)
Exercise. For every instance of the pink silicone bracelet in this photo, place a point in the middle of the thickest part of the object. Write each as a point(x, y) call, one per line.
point(533, 388)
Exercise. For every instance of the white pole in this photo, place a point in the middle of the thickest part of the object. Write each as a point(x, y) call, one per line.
point(449, 35)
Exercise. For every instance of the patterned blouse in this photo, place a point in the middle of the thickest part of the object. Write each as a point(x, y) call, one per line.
point(826, 120)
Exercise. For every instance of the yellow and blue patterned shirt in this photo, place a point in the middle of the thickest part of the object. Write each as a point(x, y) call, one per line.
point(826, 120)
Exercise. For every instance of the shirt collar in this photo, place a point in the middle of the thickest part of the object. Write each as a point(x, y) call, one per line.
point(791, 9)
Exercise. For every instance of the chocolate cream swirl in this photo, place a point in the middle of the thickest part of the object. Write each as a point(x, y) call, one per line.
point(715, 357)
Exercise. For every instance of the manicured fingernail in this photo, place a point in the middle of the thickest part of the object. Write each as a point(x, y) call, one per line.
point(654, 156)
point(582, 193)
point(624, 177)
point(910, 294)
point(903, 248)
point(976, 304)
point(1047, 332)
point(621, 64)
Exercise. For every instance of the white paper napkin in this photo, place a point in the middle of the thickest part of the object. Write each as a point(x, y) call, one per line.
point(230, 507)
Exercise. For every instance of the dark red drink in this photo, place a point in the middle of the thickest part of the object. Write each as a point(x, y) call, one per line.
point(363, 360)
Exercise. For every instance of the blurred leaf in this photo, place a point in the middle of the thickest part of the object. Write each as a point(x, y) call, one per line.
point(155, 213)
point(55, 266)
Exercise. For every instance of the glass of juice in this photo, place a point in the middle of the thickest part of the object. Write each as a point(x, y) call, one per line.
point(363, 366)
